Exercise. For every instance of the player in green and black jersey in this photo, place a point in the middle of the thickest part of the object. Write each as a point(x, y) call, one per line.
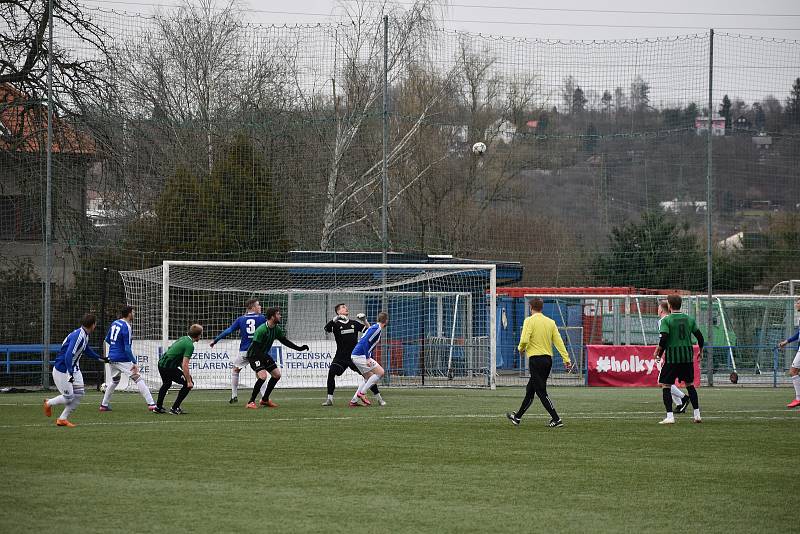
point(260, 360)
point(677, 330)
point(173, 366)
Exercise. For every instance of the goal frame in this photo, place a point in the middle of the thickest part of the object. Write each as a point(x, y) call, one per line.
point(489, 267)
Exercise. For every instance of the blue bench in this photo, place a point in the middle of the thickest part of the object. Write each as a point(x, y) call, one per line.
point(36, 350)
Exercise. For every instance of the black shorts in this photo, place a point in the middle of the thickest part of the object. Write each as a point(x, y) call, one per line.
point(262, 363)
point(172, 374)
point(671, 372)
point(339, 366)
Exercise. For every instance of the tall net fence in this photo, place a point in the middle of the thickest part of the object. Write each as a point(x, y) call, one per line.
point(193, 135)
point(744, 337)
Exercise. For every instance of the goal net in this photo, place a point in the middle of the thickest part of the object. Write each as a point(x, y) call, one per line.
point(440, 332)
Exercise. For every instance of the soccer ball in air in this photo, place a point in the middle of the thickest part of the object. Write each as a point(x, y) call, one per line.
point(103, 387)
point(478, 148)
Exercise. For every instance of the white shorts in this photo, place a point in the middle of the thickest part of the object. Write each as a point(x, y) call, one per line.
point(364, 364)
point(796, 361)
point(124, 368)
point(61, 381)
point(239, 360)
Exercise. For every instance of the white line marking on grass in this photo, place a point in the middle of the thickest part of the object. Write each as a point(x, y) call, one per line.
point(579, 415)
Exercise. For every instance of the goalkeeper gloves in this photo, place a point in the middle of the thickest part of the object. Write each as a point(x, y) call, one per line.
point(361, 316)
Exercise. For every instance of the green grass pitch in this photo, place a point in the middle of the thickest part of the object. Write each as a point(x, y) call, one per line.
point(430, 461)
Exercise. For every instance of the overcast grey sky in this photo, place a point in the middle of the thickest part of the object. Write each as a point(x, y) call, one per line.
point(558, 20)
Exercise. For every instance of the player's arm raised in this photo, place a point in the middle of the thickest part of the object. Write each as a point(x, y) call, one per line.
point(225, 333)
point(363, 318)
point(291, 345)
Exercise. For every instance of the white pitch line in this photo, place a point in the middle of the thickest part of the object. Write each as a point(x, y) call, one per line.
point(579, 415)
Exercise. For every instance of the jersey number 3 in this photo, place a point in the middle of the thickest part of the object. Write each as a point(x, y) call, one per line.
point(251, 326)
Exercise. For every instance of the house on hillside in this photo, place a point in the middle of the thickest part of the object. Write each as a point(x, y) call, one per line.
point(683, 206)
point(742, 125)
point(717, 125)
point(23, 130)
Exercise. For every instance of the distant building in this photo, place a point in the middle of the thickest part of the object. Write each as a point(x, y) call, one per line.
point(717, 125)
point(742, 124)
point(23, 123)
point(683, 206)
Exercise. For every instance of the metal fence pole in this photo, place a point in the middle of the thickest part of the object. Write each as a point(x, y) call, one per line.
point(48, 223)
point(384, 163)
point(709, 244)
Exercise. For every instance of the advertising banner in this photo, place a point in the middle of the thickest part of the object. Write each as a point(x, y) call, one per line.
point(211, 367)
point(627, 366)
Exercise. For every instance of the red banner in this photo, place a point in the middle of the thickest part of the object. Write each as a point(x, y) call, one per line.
point(627, 366)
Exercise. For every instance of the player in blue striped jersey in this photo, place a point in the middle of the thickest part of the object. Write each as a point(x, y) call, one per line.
point(67, 375)
point(246, 325)
point(122, 359)
point(794, 369)
point(363, 358)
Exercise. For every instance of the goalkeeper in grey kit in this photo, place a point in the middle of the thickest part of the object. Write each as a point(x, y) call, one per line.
point(346, 332)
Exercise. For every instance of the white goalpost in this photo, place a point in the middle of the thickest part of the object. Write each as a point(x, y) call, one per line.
point(441, 331)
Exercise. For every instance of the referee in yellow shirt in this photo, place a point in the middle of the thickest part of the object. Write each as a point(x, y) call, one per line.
point(539, 334)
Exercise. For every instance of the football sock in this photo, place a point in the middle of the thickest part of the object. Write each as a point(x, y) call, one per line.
point(696, 413)
point(162, 392)
point(667, 396)
point(145, 391)
point(330, 397)
point(71, 405)
point(181, 395)
point(677, 394)
point(693, 397)
point(374, 389)
point(796, 383)
point(57, 400)
point(369, 383)
point(331, 382)
point(377, 395)
point(270, 387)
point(109, 391)
point(256, 389)
point(234, 384)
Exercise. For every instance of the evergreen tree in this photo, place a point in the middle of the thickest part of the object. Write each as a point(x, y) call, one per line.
point(578, 100)
point(654, 252)
point(792, 108)
point(725, 111)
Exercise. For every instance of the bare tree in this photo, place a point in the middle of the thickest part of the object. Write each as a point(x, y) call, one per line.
point(79, 77)
point(196, 71)
point(351, 97)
